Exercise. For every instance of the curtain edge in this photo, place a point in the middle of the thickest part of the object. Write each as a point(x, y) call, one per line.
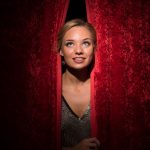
point(59, 88)
point(93, 111)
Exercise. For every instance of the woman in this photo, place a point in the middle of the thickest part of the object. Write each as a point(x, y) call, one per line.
point(76, 44)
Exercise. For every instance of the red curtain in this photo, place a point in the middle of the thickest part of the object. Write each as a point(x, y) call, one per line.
point(44, 66)
point(29, 30)
point(31, 90)
point(121, 75)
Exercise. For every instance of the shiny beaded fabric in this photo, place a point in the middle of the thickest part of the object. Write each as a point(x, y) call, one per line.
point(73, 128)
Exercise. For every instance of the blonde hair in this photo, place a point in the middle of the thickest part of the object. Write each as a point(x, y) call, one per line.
point(73, 23)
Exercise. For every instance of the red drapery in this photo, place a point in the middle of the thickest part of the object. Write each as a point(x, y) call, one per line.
point(29, 29)
point(45, 82)
point(121, 76)
point(120, 81)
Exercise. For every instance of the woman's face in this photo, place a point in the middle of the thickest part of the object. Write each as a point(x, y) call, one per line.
point(77, 47)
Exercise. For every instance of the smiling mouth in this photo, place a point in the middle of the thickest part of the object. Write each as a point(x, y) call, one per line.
point(79, 59)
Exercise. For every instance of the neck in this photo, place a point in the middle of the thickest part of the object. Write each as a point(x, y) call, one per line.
point(76, 77)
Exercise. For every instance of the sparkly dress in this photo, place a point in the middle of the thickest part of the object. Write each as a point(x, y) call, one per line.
point(73, 128)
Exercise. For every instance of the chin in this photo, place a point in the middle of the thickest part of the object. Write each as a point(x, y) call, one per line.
point(79, 67)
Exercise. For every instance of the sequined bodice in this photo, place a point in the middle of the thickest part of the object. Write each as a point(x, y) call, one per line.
point(73, 128)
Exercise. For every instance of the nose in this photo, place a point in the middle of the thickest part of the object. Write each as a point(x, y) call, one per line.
point(78, 49)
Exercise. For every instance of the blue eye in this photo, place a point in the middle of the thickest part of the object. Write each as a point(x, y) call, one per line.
point(86, 43)
point(69, 44)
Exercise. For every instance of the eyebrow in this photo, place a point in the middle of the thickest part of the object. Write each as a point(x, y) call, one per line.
point(74, 40)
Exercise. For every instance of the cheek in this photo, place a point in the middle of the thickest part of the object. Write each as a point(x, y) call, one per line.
point(67, 53)
point(91, 56)
point(90, 52)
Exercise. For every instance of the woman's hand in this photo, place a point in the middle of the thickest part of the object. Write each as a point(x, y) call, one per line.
point(87, 144)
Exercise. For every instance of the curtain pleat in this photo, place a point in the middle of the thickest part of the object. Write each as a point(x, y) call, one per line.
point(121, 74)
point(43, 68)
point(31, 91)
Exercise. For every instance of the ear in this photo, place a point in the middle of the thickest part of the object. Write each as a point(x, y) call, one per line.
point(61, 53)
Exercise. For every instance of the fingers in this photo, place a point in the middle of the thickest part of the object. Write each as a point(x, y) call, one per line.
point(92, 145)
point(97, 141)
point(94, 140)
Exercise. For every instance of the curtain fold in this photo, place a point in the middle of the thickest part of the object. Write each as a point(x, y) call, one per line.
point(44, 67)
point(121, 74)
point(120, 115)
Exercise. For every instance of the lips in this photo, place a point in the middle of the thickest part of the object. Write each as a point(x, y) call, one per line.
point(78, 59)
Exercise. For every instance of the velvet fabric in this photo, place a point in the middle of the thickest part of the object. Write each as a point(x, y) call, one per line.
point(45, 69)
point(31, 74)
point(121, 80)
point(29, 55)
